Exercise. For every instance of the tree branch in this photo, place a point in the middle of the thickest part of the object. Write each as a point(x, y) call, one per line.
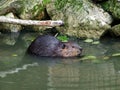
point(51, 23)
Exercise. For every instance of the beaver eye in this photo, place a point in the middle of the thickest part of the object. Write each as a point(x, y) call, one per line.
point(63, 46)
point(73, 46)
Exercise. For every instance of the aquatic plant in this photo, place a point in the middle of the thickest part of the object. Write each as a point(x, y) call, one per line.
point(63, 38)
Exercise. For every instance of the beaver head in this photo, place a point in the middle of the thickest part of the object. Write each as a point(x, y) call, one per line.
point(68, 49)
point(47, 45)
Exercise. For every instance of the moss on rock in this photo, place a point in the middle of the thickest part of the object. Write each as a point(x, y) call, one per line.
point(82, 18)
point(112, 6)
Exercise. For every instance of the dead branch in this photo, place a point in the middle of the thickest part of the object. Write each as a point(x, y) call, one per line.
point(50, 23)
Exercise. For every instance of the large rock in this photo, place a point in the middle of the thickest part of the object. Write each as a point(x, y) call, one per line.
point(10, 38)
point(113, 6)
point(10, 27)
point(115, 30)
point(82, 18)
point(25, 9)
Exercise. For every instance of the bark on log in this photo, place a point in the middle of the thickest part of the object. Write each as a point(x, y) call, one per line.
point(50, 23)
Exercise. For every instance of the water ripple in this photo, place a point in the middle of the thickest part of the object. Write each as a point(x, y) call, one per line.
point(24, 67)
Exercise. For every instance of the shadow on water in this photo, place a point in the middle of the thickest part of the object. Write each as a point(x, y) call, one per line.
point(23, 72)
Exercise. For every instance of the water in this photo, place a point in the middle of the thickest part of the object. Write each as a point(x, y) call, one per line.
point(21, 72)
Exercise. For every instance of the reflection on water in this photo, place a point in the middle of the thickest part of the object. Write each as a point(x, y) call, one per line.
point(21, 72)
point(84, 77)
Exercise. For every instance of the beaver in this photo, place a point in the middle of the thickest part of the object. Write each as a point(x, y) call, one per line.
point(47, 45)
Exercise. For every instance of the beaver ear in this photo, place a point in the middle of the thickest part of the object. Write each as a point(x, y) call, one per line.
point(63, 46)
point(70, 41)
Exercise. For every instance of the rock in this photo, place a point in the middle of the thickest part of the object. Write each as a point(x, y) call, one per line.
point(115, 30)
point(25, 9)
point(11, 38)
point(113, 6)
point(33, 9)
point(28, 38)
point(11, 27)
point(82, 18)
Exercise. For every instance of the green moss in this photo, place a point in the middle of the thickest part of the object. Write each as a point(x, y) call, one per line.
point(112, 6)
point(59, 4)
point(46, 2)
point(38, 8)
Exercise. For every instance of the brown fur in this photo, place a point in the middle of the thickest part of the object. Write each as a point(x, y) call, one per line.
point(47, 45)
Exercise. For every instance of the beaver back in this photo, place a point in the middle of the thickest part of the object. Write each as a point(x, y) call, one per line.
point(43, 45)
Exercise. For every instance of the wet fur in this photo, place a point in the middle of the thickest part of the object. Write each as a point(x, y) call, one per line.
point(47, 45)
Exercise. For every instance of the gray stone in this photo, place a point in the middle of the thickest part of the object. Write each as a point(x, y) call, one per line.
point(25, 9)
point(82, 19)
point(10, 27)
point(11, 38)
point(115, 30)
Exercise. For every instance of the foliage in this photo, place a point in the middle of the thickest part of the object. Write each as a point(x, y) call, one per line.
point(38, 8)
point(90, 57)
point(112, 6)
point(95, 42)
point(88, 40)
point(91, 41)
point(44, 2)
point(116, 54)
point(14, 55)
point(62, 3)
point(63, 38)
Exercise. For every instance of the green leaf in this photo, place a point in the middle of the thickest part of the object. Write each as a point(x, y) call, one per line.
point(14, 55)
point(106, 58)
point(116, 54)
point(96, 42)
point(63, 38)
point(90, 57)
point(88, 40)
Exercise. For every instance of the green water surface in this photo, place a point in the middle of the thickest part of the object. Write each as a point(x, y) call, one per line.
point(21, 72)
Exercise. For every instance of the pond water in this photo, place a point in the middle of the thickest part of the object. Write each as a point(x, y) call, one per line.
point(100, 71)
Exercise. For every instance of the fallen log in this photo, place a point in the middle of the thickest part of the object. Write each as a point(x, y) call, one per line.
point(50, 23)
